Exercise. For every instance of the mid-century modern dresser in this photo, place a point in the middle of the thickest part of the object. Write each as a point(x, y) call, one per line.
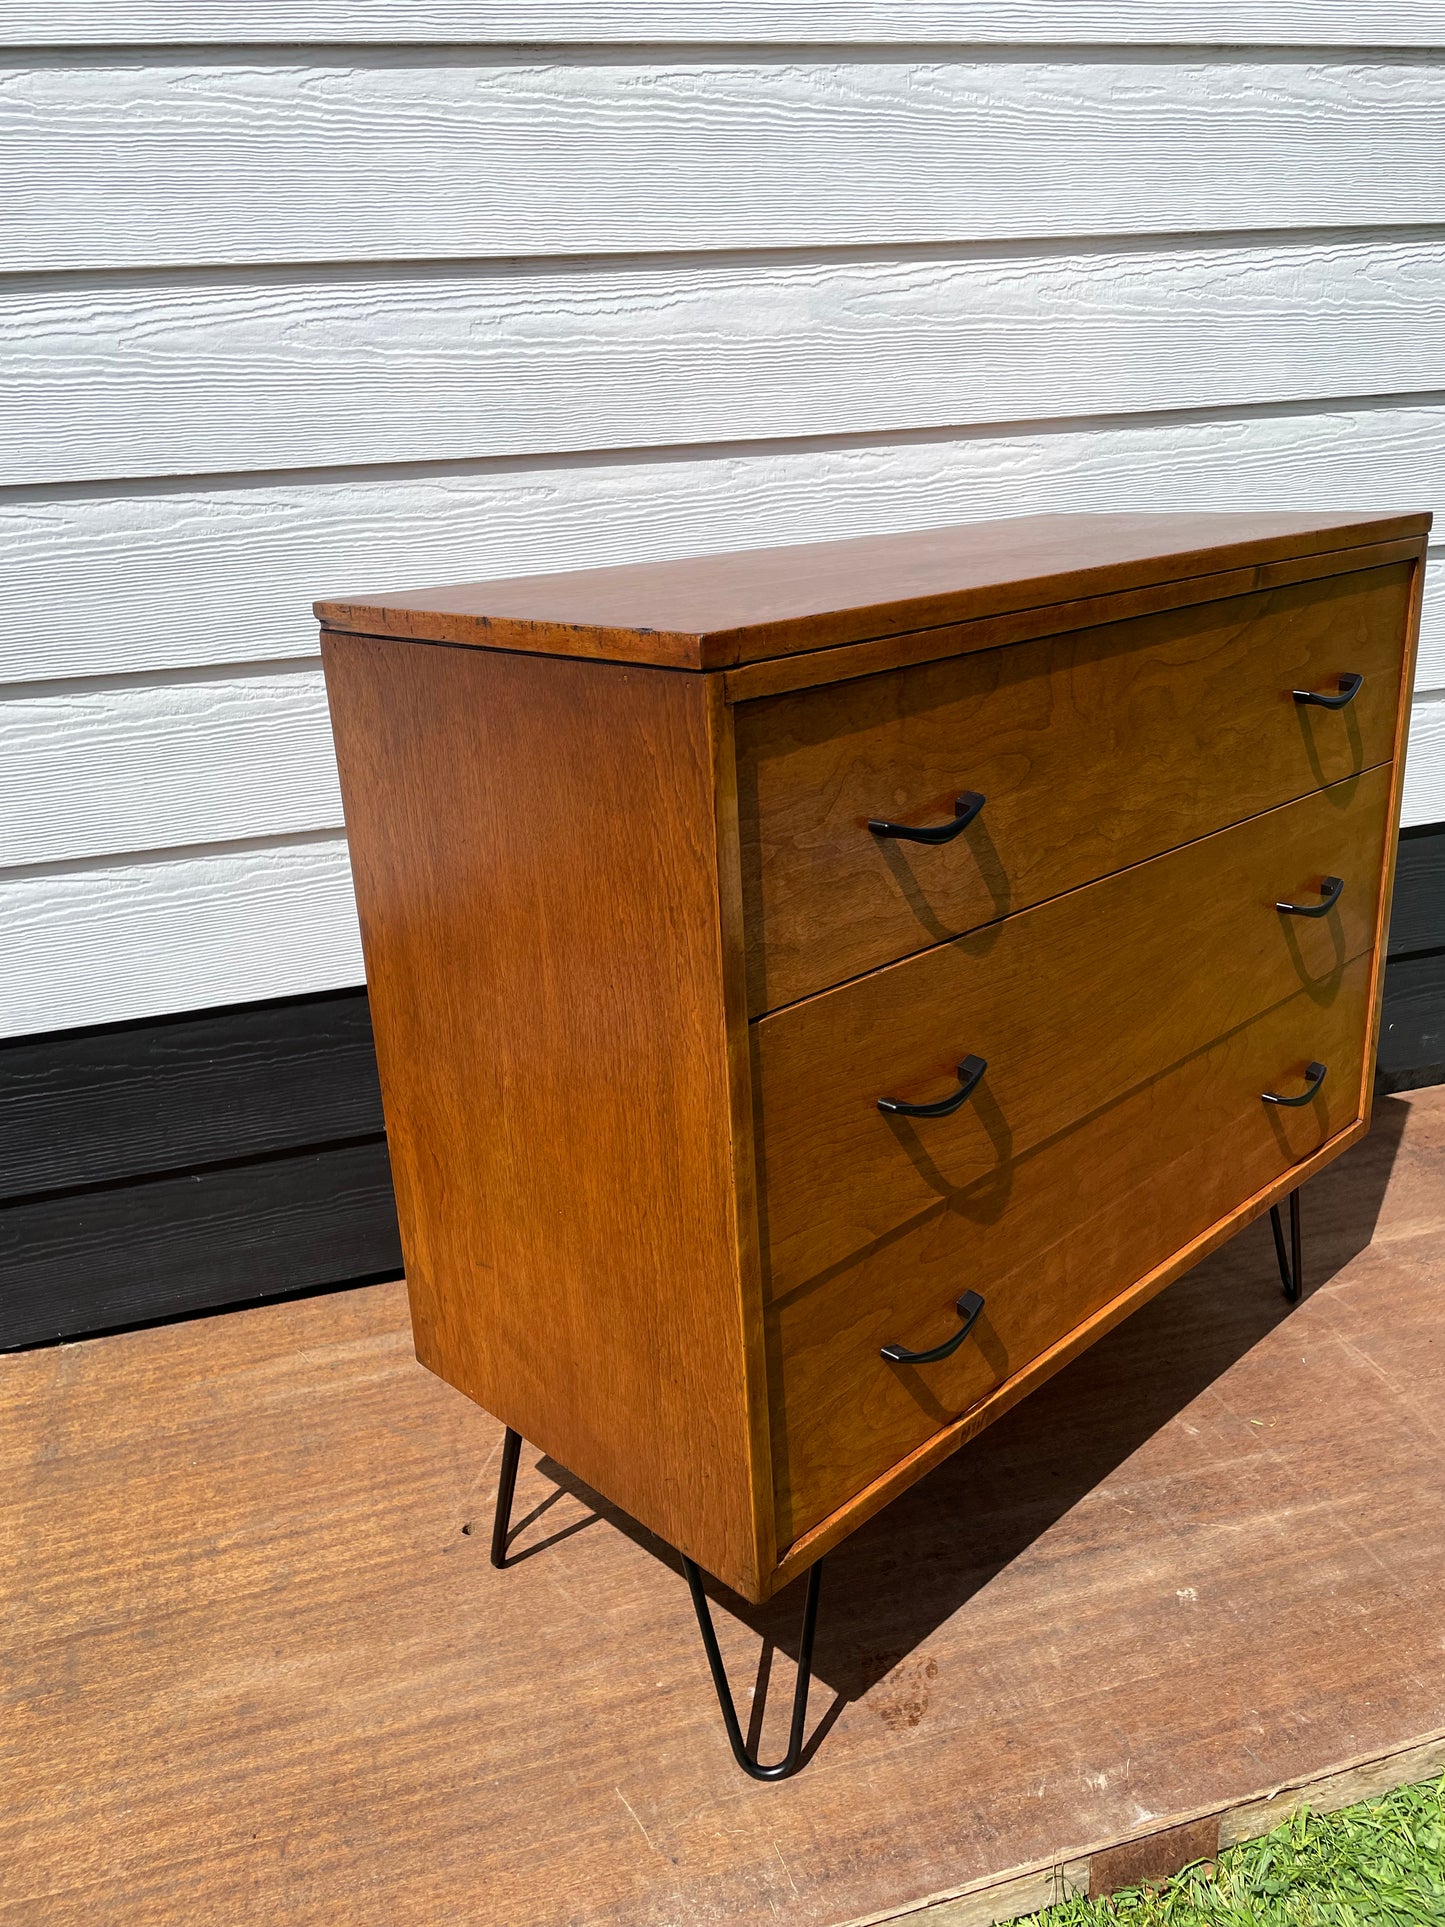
point(818, 991)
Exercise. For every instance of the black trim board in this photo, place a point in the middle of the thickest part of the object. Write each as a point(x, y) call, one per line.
point(1412, 1024)
point(190, 1162)
point(219, 1157)
point(86, 1106)
point(1417, 914)
point(124, 1254)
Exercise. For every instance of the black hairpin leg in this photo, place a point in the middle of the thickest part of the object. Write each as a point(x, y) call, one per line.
point(506, 1486)
point(501, 1529)
point(793, 1757)
point(1291, 1267)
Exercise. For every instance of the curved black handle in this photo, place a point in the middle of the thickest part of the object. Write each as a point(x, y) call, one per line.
point(968, 1308)
point(1331, 890)
point(1314, 1076)
point(969, 1073)
point(965, 809)
point(1349, 689)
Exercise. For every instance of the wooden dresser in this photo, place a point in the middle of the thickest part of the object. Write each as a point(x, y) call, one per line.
point(784, 964)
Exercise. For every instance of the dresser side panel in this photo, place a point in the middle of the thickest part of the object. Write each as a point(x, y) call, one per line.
point(537, 863)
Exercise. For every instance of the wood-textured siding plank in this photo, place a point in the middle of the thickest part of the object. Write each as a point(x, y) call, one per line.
point(1412, 1023)
point(91, 1107)
point(1372, 23)
point(1417, 911)
point(453, 418)
point(96, 771)
point(92, 944)
point(1430, 662)
point(152, 576)
point(106, 1258)
point(185, 158)
point(132, 376)
point(1425, 763)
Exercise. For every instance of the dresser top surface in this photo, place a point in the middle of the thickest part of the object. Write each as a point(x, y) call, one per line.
point(714, 611)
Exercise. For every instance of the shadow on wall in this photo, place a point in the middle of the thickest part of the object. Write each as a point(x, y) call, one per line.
point(895, 1580)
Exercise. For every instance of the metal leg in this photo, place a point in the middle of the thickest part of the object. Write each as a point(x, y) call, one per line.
point(506, 1486)
point(792, 1758)
point(1291, 1268)
point(501, 1527)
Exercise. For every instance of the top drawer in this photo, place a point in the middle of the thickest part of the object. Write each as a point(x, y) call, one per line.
point(1094, 749)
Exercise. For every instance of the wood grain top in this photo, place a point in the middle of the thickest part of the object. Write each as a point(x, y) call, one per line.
point(711, 612)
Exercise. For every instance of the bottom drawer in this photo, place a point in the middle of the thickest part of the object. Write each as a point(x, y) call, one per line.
point(1048, 1239)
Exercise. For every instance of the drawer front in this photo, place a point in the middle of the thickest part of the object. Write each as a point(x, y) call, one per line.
point(1094, 750)
point(1047, 1239)
point(1071, 1005)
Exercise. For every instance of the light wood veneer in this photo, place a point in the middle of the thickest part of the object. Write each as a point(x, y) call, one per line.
point(640, 972)
point(1048, 1238)
point(1094, 750)
point(1070, 1004)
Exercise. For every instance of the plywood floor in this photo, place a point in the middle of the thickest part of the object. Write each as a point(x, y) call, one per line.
point(257, 1667)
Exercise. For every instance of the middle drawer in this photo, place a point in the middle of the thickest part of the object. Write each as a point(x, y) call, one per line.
point(1072, 1004)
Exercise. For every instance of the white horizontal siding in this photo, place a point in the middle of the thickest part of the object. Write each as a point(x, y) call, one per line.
point(1377, 23)
point(141, 376)
point(127, 578)
point(94, 771)
point(156, 159)
point(1425, 764)
point(1430, 666)
point(84, 945)
point(99, 772)
point(333, 319)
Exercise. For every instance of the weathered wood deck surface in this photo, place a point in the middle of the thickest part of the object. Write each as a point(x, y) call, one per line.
point(257, 1667)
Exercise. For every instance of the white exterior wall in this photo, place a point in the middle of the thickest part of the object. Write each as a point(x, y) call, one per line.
point(397, 306)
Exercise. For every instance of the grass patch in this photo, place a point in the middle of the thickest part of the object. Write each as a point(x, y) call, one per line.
point(1381, 1864)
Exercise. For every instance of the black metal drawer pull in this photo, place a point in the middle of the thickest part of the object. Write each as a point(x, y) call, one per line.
point(1349, 689)
point(965, 809)
point(968, 1308)
point(1315, 1075)
point(1331, 890)
point(969, 1073)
